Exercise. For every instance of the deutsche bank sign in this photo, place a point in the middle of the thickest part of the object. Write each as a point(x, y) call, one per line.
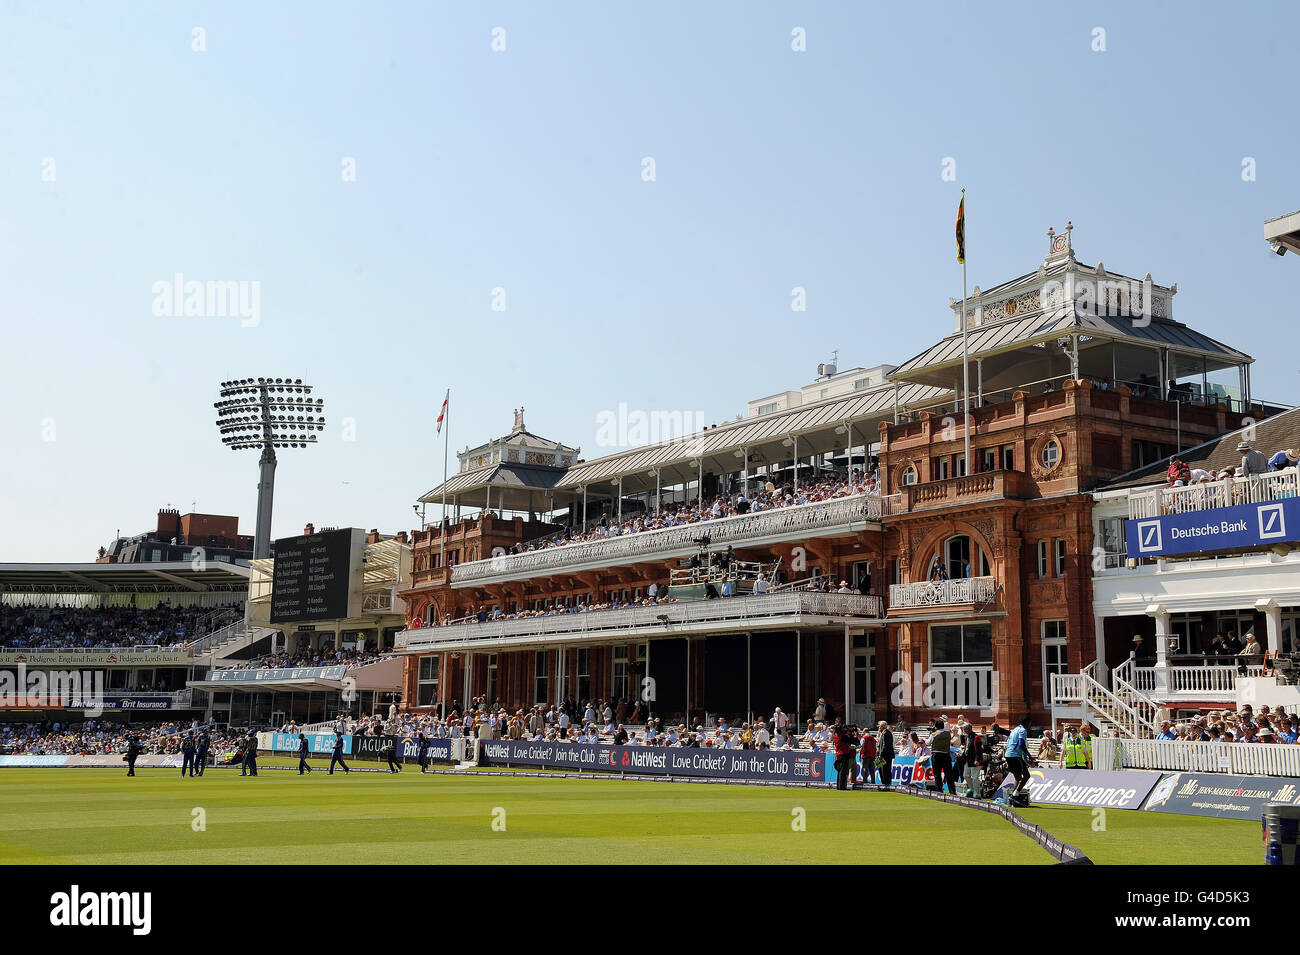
point(1221, 528)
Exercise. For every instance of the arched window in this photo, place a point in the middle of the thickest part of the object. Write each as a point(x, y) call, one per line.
point(964, 558)
point(908, 476)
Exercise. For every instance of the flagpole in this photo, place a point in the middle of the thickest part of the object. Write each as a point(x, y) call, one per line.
point(965, 361)
point(446, 443)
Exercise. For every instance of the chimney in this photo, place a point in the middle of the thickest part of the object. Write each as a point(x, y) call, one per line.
point(373, 536)
point(169, 522)
point(401, 537)
point(309, 530)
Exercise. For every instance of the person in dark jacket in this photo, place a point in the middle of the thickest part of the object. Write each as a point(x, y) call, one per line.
point(303, 749)
point(844, 751)
point(338, 754)
point(201, 753)
point(423, 750)
point(885, 753)
point(132, 754)
point(249, 765)
point(389, 752)
point(187, 755)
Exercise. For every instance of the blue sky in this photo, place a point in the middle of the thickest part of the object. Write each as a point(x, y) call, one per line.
point(522, 170)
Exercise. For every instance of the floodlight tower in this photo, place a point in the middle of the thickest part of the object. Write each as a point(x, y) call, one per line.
point(268, 413)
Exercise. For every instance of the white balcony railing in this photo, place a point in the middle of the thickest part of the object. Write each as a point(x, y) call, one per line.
point(1213, 684)
point(728, 611)
point(822, 515)
point(937, 593)
point(1256, 489)
point(1181, 756)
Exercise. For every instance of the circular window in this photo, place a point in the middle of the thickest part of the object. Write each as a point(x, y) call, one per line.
point(1051, 454)
point(908, 476)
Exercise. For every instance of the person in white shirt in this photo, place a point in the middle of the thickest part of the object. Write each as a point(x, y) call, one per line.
point(779, 720)
point(761, 586)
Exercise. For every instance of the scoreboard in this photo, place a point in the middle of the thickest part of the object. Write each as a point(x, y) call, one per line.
point(317, 576)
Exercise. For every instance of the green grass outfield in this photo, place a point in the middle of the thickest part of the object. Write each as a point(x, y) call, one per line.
point(103, 817)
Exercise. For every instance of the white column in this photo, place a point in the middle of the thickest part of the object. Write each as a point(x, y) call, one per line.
point(469, 667)
point(796, 462)
point(1099, 648)
point(1161, 616)
point(1272, 612)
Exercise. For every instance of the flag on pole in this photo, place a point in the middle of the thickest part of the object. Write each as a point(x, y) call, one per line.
point(961, 231)
point(443, 413)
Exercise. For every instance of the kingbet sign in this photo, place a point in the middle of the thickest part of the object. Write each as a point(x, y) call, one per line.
point(1222, 528)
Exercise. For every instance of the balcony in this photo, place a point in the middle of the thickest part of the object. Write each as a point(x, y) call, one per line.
point(1193, 684)
point(986, 486)
point(932, 594)
point(843, 514)
point(1256, 489)
point(765, 611)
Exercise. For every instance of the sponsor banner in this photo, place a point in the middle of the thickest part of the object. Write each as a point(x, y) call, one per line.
point(756, 764)
point(100, 759)
point(1221, 794)
point(81, 659)
point(321, 744)
point(369, 746)
point(170, 761)
point(34, 760)
point(122, 703)
point(903, 772)
point(1109, 788)
point(1221, 528)
point(408, 747)
point(276, 676)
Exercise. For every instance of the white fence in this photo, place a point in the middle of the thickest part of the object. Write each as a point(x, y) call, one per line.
point(1261, 759)
point(843, 511)
point(726, 610)
point(933, 593)
point(1254, 489)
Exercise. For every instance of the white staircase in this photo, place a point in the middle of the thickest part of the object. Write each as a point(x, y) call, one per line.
point(1126, 710)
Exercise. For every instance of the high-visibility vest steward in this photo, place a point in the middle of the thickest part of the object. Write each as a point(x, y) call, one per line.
point(1076, 754)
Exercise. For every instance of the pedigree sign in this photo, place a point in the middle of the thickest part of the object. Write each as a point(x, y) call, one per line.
point(94, 658)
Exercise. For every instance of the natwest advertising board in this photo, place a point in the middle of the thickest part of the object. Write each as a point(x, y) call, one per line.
point(773, 765)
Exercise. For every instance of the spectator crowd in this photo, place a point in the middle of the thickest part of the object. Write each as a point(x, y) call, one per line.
point(64, 628)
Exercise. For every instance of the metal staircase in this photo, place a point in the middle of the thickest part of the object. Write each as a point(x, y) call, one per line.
point(228, 640)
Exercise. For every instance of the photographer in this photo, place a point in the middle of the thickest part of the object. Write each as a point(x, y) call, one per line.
point(844, 753)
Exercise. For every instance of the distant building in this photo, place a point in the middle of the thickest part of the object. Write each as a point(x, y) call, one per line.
point(182, 537)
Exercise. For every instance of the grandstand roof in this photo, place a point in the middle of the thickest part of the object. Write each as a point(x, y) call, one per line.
point(160, 577)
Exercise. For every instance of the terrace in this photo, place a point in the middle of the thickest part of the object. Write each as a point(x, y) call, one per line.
point(784, 610)
point(846, 514)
